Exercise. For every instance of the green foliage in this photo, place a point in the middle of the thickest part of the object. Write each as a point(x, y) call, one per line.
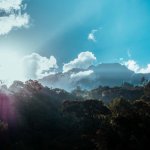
point(119, 105)
point(43, 118)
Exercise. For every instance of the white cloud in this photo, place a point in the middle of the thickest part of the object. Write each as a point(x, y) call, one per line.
point(33, 66)
point(81, 74)
point(12, 15)
point(134, 66)
point(36, 66)
point(83, 61)
point(91, 35)
point(146, 69)
point(9, 5)
point(13, 21)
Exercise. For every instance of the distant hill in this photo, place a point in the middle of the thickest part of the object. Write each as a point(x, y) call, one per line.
point(105, 74)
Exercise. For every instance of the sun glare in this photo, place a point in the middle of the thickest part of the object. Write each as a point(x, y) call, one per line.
point(10, 66)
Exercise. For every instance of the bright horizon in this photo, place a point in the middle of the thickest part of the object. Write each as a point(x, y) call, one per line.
point(38, 38)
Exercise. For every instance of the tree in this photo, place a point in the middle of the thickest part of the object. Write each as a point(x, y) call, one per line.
point(120, 106)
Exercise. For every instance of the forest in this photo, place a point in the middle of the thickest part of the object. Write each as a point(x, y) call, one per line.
point(35, 117)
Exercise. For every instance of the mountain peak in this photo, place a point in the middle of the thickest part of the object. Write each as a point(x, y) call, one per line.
point(105, 74)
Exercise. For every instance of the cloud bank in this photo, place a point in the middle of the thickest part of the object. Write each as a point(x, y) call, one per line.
point(134, 66)
point(11, 15)
point(81, 74)
point(33, 66)
point(9, 5)
point(36, 66)
point(83, 61)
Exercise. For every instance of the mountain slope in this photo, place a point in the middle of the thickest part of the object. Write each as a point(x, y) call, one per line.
point(106, 74)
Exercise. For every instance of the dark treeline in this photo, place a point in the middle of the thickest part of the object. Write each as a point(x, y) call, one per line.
point(33, 117)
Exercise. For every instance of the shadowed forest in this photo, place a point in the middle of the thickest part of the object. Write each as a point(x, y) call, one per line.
point(34, 117)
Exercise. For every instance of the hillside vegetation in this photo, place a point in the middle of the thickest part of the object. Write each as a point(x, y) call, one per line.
point(34, 117)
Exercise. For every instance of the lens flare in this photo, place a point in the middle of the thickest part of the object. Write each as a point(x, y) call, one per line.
point(10, 66)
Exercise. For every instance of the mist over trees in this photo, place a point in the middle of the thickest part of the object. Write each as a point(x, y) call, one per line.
point(35, 117)
point(105, 74)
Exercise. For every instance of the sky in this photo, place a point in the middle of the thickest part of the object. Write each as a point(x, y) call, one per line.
point(53, 34)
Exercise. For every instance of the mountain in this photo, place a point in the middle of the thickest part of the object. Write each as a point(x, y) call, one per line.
point(105, 74)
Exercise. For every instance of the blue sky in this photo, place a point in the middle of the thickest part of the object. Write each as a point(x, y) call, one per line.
point(61, 28)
